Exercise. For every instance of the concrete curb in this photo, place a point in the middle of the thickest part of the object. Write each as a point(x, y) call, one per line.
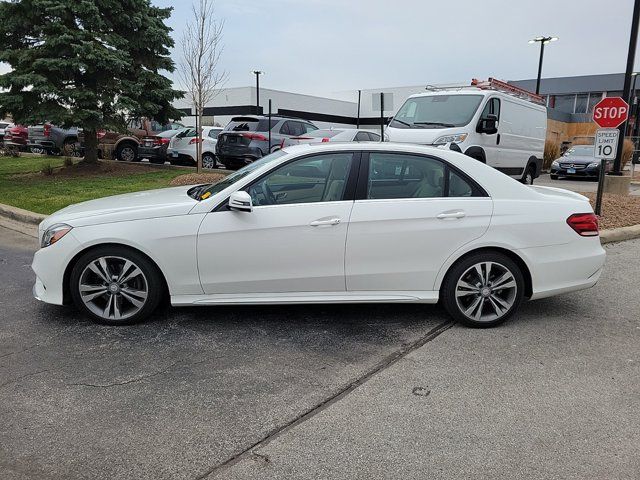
point(620, 234)
point(21, 215)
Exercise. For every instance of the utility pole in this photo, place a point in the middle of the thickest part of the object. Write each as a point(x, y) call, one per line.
point(631, 55)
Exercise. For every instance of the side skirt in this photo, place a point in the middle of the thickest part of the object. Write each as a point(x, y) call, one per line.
point(305, 297)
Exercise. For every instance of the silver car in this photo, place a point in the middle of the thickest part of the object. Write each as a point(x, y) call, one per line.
point(332, 135)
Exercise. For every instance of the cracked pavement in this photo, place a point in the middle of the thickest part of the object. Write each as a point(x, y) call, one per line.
point(363, 391)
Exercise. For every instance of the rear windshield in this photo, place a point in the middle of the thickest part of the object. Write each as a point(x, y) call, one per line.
point(249, 125)
point(437, 111)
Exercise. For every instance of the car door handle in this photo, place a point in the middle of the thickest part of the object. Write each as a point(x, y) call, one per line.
point(330, 221)
point(498, 140)
point(456, 214)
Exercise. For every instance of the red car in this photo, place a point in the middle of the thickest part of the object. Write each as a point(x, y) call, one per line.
point(16, 136)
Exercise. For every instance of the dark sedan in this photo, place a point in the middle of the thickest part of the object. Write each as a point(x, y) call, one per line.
point(155, 148)
point(578, 161)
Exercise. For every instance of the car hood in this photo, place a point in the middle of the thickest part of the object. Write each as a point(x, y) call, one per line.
point(578, 160)
point(164, 202)
point(421, 136)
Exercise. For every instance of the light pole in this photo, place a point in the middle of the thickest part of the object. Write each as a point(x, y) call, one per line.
point(543, 40)
point(257, 73)
point(632, 103)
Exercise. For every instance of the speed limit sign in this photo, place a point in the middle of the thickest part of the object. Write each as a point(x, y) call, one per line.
point(606, 143)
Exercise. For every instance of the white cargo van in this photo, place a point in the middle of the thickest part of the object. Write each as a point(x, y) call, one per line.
point(492, 122)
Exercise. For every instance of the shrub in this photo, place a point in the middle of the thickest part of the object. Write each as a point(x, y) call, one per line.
point(551, 152)
point(47, 169)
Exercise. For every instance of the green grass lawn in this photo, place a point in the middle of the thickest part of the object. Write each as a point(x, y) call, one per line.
point(22, 185)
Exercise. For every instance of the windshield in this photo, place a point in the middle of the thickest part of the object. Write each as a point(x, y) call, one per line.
point(582, 151)
point(229, 180)
point(437, 111)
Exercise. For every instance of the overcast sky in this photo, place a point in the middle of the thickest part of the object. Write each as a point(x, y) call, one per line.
point(316, 46)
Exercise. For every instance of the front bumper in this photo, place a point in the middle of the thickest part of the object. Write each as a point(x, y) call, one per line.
point(588, 172)
point(49, 265)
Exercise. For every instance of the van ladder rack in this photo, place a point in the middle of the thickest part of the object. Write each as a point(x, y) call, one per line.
point(494, 84)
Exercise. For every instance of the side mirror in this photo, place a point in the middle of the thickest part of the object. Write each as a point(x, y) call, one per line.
point(240, 201)
point(489, 124)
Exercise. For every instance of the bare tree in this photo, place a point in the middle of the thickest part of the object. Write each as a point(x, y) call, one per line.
point(199, 71)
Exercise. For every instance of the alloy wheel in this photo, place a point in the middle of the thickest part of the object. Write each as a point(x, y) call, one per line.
point(208, 161)
point(486, 291)
point(128, 154)
point(113, 288)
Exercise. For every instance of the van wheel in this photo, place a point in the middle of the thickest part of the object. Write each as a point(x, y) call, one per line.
point(529, 175)
point(127, 152)
point(483, 289)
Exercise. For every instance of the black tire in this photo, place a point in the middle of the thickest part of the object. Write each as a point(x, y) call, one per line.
point(529, 175)
point(554, 177)
point(127, 152)
point(156, 161)
point(209, 161)
point(465, 267)
point(151, 276)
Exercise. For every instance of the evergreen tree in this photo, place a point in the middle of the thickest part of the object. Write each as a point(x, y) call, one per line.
point(85, 63)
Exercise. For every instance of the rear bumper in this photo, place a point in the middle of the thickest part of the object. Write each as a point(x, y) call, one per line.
point(564, 268)
point(155, 153)
point(48, 144)
point(236, 162)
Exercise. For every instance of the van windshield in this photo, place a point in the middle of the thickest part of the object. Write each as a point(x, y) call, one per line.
point(437, 111)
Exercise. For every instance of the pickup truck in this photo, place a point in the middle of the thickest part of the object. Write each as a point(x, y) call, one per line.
point(124, 146)
point(47, 138)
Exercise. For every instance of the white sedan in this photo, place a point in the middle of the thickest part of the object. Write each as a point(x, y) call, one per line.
point(329, 223)
point(182, 146)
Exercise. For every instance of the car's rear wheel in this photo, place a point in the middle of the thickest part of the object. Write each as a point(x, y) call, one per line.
point(127, 152)
point(483, 289)
point(116, 285)
point(208, 160)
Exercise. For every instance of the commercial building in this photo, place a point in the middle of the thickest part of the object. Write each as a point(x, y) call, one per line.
point(570, 102)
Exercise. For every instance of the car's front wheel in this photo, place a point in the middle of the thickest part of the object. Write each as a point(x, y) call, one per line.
point(483, 289)
point(116, 285)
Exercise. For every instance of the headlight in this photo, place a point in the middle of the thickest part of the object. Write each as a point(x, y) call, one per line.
point(593, 165)
point(455, 138)
point(555, 163)
point(54, 233)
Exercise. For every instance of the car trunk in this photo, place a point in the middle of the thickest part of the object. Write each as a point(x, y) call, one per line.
point(36, 134)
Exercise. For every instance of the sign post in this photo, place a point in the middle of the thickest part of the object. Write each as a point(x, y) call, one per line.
point(609, 113)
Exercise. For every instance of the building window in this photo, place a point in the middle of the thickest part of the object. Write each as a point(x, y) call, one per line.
point(565, 103)
point(582, 101)
point(614, 94)
point(594, 98)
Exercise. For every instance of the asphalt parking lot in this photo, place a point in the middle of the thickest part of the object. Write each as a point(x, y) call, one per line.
point(364, 391)
point(577, 184)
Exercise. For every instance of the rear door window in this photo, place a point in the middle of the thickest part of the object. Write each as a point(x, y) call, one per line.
point(362, 137)
point(393, 175)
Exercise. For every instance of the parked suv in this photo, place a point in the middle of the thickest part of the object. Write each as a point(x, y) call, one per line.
point(246, 139)
point(50, 139)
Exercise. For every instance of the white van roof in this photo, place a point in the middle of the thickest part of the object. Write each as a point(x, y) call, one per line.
point(470, 90)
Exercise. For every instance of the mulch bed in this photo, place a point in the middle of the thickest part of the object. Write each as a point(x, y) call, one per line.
point(196, 179)
point(617, 210)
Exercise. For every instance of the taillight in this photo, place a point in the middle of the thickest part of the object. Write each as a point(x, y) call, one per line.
point(47, 129)
point(325, 140)
point(194, 140)
point(585, 224)
point(255, 136)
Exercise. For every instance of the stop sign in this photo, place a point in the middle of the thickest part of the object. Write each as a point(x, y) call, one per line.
point(610, 112)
